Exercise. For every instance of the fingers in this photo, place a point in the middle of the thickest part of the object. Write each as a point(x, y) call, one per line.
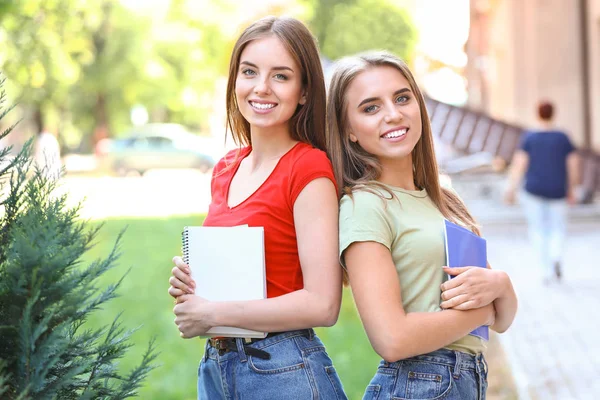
point(179, 283)
point(175, 292)
point(451, 284)
point(456, 270)
point(182, 266)
point(178, 261)
point(464, 306)
point(454, 301)
point(451, 293)
point(183, 298)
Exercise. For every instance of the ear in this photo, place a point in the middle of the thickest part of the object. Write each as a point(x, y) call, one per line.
point(353, 138)
point(302, 100)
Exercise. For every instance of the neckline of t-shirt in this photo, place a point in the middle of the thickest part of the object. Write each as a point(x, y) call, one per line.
point(239, 162)
point(415, 193)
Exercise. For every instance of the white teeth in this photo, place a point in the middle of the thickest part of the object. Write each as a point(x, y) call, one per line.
point(395, 134)
point(261, 106)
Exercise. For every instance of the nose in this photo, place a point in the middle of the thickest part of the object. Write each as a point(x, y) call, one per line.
point(262, 87)
point(392, 114)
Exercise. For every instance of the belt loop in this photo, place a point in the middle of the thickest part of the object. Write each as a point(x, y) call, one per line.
point(457, 366)
point(311, 333)
point(206, 349)
point(239, 342)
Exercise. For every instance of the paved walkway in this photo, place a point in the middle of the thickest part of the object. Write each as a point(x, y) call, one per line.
point(553, 345)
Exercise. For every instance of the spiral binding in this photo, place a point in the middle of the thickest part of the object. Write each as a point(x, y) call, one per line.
point(185, 245)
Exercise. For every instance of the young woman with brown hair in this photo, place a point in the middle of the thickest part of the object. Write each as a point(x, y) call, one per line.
point(281, 180)
point(392, 239)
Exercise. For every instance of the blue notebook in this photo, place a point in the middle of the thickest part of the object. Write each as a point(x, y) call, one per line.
point(466, 249)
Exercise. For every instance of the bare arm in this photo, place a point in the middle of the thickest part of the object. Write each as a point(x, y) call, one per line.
point(573, 175)
point(317, 304)
point(518, 168)
point(474, 287)
point(395, 334)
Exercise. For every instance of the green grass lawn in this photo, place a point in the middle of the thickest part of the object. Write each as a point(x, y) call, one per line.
point(147, 249)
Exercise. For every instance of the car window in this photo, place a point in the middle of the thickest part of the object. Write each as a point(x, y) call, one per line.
point(158, 142)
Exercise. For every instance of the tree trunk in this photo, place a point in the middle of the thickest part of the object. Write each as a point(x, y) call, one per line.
point(101, 130)
point(38, 118)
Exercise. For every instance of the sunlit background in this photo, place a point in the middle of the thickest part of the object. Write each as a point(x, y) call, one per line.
point(134, 91)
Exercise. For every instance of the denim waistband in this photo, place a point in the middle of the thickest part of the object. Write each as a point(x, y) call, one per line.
point(273, 338)
point(452, 358)
point(277, 337)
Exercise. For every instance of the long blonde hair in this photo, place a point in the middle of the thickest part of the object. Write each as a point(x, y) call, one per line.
point(355, 168)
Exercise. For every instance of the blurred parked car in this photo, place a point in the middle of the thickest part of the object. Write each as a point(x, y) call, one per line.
point(155, 146)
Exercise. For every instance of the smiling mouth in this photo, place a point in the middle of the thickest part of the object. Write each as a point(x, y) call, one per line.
point(262, 106)
point(395, 134)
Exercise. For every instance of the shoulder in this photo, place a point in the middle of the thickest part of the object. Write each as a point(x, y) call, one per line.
point(305, 154)
point(363, 218)
point(303, 164)
point(364, 204)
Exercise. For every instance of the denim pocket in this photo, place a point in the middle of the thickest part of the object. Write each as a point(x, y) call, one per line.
point(285, 357)
point(372, 392)
point(423, 380)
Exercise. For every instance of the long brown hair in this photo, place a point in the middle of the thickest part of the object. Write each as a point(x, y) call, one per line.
point(355, 168)
point(308, 122)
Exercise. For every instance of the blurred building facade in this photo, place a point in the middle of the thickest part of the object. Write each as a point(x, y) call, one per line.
point(521, 51)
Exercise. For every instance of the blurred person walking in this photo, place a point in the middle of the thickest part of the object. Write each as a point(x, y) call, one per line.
point(47, 154)
point(548, 162)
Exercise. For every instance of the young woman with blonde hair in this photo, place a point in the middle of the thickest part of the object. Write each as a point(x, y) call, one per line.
point(282, 180)
point(392, 239)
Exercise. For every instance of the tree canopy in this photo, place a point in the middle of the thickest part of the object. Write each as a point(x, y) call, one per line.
point(79, 67)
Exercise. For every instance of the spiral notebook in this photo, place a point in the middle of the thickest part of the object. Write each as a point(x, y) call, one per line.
point(227, 264)
point(466, 249)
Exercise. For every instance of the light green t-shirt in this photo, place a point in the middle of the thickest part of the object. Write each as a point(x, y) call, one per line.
point(412, 228)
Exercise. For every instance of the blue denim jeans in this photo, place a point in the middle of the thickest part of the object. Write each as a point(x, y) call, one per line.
point(299, 369)
point(442, 374)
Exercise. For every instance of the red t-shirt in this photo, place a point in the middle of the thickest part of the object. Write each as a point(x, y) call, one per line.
point(272, 207)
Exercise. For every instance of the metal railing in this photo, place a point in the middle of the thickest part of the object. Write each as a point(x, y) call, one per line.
point(473, 132)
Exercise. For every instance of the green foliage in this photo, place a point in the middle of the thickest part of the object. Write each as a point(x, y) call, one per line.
point(349, 27)
point(85, 64)
point(47, 294)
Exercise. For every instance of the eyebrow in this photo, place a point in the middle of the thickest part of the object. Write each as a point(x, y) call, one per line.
point(370, 99)
point(278, 68)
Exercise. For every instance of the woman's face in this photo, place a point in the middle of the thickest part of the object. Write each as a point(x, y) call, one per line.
point(383, 113)
point(268, 86)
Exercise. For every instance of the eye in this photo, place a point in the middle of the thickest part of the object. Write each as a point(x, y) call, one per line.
point(281, 77)
point(402, 99)
point(248, 72)
point(370, 109)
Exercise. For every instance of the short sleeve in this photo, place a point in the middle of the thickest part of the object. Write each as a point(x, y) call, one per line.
point(309, 166)
point(363, 219)
point(568, 145)
point(526, 142)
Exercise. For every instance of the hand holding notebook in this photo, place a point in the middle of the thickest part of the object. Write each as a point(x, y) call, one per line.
point(227, 264)
point(465, 249)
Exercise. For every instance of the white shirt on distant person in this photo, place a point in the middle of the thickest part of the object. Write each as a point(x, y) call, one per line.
point(47, 155)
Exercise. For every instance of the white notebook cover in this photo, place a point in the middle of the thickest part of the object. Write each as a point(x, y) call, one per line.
point(227, 264)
